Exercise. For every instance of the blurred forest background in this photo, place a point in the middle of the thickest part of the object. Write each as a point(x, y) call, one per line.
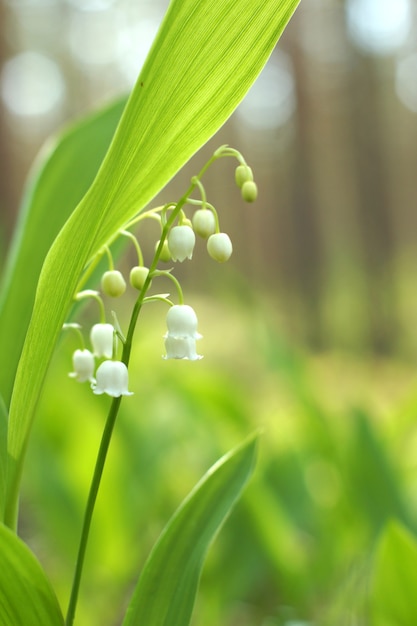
point(309, 330)
point(330, 129)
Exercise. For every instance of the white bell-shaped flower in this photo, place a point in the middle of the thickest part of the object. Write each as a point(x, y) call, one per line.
point(182, 333)
point(83, 365)
point(112, 379)
point(181, 242)
point(182, 322)
point(101, 336)
point(181, 348)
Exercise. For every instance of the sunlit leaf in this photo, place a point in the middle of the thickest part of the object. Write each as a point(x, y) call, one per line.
point(26, 597)
point(393, 594)
point(204, 59)
point(60, 177)
point(167, 587)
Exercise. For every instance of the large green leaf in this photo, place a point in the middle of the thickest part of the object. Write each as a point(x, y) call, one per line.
point(393, 594)
point(59, 179)
point(26, 597)
point(167, 587)
point(203, 61)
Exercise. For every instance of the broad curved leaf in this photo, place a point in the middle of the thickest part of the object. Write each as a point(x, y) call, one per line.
point(26, 597)
point(203, 61)
point(60, 177)
point(167, 587)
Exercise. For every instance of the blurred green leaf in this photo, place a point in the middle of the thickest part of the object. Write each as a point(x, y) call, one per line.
point(394, 584)
point(3, 454)
point(60, 177)
point(26, 596)
point(371, 471)
point(167, 587)
point(203, 61)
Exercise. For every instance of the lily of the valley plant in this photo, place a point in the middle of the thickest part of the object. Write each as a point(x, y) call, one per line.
point(203, 61)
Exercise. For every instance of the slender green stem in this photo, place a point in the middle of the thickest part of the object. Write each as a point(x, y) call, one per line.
point(90, 293)
point(92, 496)
point(176, 282)
point(115, 405)
point(77, 329)
point(109, 258)
point(135, 242)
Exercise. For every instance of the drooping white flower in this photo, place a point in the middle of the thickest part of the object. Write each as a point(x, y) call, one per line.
point(101, 336)
point(181, 348)
point(181, 242)
point(180, 340)
point(219, 247)
point(83, 365)
point(182, 322)
point(112, 379)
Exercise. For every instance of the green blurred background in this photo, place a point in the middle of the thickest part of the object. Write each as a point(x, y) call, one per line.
point(309, 330)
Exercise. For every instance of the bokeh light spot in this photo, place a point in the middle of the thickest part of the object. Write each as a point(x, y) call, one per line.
point(271, 101)
point(91, 5)
point(31, 84)
point(379, 26)
point(98, 38)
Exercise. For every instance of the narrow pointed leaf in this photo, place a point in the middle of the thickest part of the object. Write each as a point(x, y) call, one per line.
point(61, 175)
point(204, 59)
point(26, 597)
point(167, 587)
point(394, 584)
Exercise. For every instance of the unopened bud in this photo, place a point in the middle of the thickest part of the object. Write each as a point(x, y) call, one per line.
point(186, 222)
point(249, 191)
point(220, 247)
point(113, 284)
point(165, 255)
point(137, 277)
point(204, 223)
point(243, 174)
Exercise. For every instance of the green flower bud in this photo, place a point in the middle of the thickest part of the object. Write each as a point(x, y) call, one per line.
point(137, 277)
point(243, 174)
point(219, 247)
point(204, 223)
point(186, 222)
point(113, 284)
point(165, 255)
point(249, 191)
